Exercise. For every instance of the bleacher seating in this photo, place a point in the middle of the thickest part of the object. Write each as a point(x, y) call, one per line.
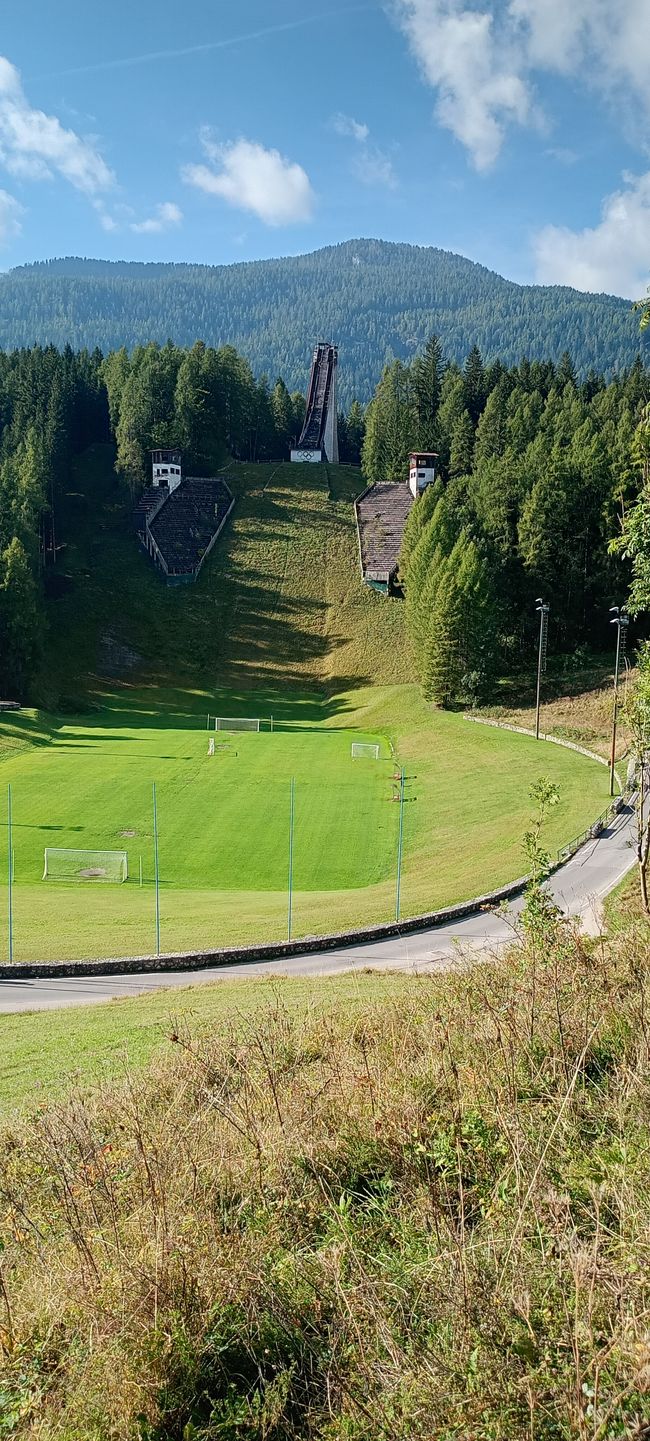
point(187, 522)
point(150, 498)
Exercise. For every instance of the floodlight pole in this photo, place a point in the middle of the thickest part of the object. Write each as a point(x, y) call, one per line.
point(400, 845)
point(155, 861)
point(292, 812)
point(10, 875)
point(621, 620)
point(543, 610)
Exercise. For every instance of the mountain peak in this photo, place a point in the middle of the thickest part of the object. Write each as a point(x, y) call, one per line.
point(379, 299)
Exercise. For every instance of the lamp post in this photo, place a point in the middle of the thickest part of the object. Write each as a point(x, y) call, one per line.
point(542, 609)
point(621, 620)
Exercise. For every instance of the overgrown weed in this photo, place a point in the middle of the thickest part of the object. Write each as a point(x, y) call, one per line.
point(431, 1222)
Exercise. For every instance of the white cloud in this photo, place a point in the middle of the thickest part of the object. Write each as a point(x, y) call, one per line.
point(351, 128)
point(563, 154)
point(106, 220)
point(10, 217)
point(373, 167)
point(36, 146)
point(612, 256)
point(565, 35)
point(166, 216)
point(481, 58)
point(370, 165)
point(252, 178)
point(474, 70)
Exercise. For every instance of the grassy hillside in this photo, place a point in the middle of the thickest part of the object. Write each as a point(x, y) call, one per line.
point(426, 1215)
point(280, 605)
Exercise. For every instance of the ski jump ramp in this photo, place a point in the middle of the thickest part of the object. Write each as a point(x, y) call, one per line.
point(319, 438)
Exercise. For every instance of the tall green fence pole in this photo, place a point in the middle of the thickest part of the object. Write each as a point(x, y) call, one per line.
point(155, 861)
point(400, 845)
point(292, 812)
point(10, 875)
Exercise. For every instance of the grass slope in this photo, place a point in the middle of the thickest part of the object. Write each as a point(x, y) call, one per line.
point(279, 624)
point(50, 1053)
point(279, 605)
point(426, 1215)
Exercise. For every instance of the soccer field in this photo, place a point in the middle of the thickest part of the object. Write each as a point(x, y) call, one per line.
point(224, 819)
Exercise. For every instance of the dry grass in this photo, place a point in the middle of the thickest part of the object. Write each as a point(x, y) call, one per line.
point(579, 709)
point(431, 1220)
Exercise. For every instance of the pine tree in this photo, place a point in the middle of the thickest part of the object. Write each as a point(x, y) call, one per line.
point(198, 422)
point(491, 432)
point(20, 621)
point(476, 622)
point(282, 419)
point(356, 425)
point(441, 670)
point(474, 386)
point(427, 371)
point(436, 546)
point(390, 425)
point(298, 414)
point(418, 518)
point(566, 374)
point(462, 445)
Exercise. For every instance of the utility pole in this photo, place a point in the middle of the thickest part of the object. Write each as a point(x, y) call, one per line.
point(621, 620)
point(292, 815)
point(400, 844)
point(542, 610)
point(10, 876)
point(156, 869)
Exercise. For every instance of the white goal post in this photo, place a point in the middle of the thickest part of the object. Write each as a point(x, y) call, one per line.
point(361, 750)
point(242, 723)
point(72, 865)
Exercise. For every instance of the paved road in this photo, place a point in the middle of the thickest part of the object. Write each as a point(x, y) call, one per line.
point(578, 888)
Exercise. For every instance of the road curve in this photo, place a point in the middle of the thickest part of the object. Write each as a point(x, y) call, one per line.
point(578, 887)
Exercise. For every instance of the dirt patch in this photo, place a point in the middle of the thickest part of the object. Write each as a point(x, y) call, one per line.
point(92, 873)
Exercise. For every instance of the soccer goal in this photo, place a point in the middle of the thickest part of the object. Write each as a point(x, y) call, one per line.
point(69, 865)
point(243, 723)
point(360, 751)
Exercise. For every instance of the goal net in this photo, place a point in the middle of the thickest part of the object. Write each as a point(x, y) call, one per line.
point(360, 750)
point(69, 865)
point(242, 723)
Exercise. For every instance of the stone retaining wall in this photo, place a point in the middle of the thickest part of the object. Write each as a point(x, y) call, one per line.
point(271, 951)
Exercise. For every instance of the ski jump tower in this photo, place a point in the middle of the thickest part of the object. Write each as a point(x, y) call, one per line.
point(319, 439)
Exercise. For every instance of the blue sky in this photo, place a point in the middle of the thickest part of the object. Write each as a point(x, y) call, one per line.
point(516, 132)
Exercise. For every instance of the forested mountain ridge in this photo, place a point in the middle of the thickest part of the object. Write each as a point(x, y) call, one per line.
point(376, 299)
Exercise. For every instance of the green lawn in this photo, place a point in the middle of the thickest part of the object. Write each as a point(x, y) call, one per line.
point(224, 820)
